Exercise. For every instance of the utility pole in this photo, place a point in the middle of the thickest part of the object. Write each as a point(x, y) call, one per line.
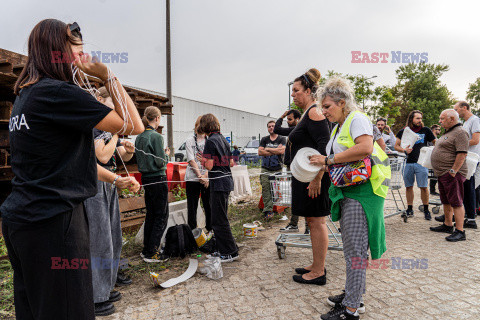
point(169, 84)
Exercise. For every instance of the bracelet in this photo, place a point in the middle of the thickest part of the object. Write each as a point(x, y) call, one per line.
point(113, 183)
point(111, 78)
point(129, 152)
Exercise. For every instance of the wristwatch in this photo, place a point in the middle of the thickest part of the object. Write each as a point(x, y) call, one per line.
point(452, 171)
point(331, 158)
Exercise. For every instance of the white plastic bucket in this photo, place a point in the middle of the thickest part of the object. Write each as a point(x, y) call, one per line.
point(301, 168)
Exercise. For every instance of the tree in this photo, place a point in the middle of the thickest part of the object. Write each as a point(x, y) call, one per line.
point(419, 88)
point(473, 94)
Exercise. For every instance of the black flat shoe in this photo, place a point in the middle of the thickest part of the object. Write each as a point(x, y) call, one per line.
point(303, 271)
point(320, 281)
point(104, 309)
point(114, 296)
point(123, 280)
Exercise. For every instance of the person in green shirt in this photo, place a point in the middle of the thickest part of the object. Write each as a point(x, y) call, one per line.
point(152, 164)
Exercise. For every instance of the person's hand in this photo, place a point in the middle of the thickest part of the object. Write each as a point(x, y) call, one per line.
point(97, 69)
point(285, 114)
point(123, 182)
point(317, 160)
point(167, 151)
point(204, 180)
point(129, 147)
point(314, 188)
point(134, 185)
point(408, 149)
point(387, 129)
point(199, 156)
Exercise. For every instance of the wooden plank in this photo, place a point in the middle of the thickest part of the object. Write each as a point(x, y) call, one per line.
point(131, 204)
point(6, 173)
point(4, 139)
point(5, 110)
point(6, 66)
point(18, 68)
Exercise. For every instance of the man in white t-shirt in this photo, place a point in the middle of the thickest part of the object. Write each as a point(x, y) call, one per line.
point(472, 126)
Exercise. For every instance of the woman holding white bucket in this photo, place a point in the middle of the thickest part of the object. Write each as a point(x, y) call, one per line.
point(357, 198)
point(310, 199)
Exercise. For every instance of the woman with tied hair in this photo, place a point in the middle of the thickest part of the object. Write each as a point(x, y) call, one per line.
point(152, 164)
point(359, 207)
point(53, 159)
point(197, 178)
point(310, 200)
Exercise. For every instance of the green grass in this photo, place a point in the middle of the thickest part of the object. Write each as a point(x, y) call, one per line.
point(6, 285)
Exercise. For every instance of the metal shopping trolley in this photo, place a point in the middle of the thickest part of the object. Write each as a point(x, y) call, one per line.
point(281, 189)
point(396, 184)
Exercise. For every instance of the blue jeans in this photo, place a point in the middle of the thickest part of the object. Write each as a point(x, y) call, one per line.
point(413, 170)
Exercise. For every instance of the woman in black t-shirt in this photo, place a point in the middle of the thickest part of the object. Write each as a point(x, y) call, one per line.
point(53, 160)
point(217, 159)
point(311, 200)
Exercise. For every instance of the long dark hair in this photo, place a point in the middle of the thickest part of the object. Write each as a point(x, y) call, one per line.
point(410, 117)
point(47, 37)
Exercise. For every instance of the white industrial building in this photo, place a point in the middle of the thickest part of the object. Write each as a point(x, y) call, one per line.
point(241, 126)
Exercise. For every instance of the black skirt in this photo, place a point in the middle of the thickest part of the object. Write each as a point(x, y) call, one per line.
point(305, 206)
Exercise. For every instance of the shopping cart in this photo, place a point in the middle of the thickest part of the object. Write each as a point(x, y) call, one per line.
point(396, 184)
point(436, 203)
point(281, 189)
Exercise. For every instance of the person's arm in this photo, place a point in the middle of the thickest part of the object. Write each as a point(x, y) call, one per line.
point(392, 139)
point(399, 148)
point(475, 139)
point(263, 152)
point(104, 152)
point(382, 144)
point(281, 130)
point(459, 160)
point(120, 182)
point(159, 151)
point(114, 121)
point(126, 150)
point(276, 151)
point(363, 147)
point(189, 148)
point(261, 149)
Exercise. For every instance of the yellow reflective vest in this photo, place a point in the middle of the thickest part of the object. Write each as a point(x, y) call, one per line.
point(381, 173)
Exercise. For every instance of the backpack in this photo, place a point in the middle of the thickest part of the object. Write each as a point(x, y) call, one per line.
point(179, 241)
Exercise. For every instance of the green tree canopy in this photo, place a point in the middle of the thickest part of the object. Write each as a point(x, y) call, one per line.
point(473, 94)
point(419, 88)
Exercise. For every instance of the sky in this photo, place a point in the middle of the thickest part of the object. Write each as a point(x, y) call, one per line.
point(242, 54)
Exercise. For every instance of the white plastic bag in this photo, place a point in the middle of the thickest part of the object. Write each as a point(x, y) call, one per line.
point(472, 161)
point(212, 268)
point(409, 138)
point(424, 159)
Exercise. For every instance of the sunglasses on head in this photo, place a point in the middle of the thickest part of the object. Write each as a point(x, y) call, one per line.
point(75, 30)
point(306, 80)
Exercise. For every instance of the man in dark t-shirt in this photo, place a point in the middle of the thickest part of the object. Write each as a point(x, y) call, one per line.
point(271, 149)
point(412, 168)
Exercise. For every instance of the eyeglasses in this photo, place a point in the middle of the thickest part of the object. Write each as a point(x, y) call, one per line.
point(75, 30)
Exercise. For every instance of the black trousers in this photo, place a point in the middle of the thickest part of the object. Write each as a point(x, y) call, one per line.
point(433, 183)
point(221, 227)
point(469, 195)
point(156, 203)
point(52, 275)
point(194, 190)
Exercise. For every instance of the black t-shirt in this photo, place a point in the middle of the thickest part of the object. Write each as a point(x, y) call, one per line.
point(309, 133)
point(426, 136)
point(52, 153)
point(272, 162)
point(218, 149)
point(106, 137)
